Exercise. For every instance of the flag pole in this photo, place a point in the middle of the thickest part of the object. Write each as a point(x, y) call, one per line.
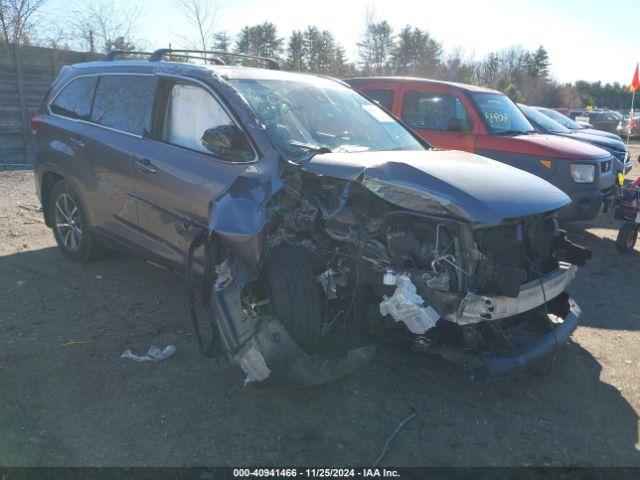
point(633, 96)
point(635, 85)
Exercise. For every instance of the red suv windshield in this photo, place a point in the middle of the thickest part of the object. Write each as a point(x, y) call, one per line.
point(501, 116)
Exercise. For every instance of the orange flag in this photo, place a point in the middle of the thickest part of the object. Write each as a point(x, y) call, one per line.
point(635, 83)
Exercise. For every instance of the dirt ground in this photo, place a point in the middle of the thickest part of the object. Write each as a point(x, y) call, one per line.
point(67, 398)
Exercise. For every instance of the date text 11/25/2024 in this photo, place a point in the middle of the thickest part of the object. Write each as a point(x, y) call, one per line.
point(315, 473)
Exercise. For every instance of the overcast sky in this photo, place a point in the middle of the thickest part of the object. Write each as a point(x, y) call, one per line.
point(586, 39)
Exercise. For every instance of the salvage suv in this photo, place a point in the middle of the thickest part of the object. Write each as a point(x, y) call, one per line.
point(456, 116)
point(309, 221)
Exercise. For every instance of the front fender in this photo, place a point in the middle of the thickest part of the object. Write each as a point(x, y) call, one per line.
point(526, 162)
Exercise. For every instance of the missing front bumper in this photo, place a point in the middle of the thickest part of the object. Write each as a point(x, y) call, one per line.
point(535, 351)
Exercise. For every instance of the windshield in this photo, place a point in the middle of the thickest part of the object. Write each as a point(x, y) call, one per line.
point(317, 115)
point(540, 119)
point(561, 119)
point(501, 115)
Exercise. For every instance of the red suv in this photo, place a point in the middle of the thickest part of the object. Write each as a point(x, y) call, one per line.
point(455, 116)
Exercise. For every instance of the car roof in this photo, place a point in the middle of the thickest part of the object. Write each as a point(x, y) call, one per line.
point(356, 81)
point(224, 71)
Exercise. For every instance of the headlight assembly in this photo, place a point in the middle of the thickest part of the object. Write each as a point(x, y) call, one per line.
point(582, 173)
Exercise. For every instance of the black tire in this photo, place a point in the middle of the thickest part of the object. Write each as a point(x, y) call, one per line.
point(627, 237)
point(86, 247)
point(294, 294)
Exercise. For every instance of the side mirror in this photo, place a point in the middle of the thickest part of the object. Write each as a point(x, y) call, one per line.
point(227, 142)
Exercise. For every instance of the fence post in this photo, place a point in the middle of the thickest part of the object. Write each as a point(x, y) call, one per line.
point(55, 62)
point(24, 120)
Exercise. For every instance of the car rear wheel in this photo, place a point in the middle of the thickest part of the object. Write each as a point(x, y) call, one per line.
point(294, 294)
point(627, 237)
point(70, 226)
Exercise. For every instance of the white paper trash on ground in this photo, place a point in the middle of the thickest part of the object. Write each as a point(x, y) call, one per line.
point(154, 354)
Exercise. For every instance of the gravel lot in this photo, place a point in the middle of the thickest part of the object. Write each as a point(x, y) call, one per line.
point(66, 398)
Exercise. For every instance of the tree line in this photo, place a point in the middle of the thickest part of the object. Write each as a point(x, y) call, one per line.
point(411, 51)
point(523, 75)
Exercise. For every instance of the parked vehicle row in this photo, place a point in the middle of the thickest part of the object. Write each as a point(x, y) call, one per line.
point(630, 127)
point(545, 124)
point(455, 116)
point(600, 119)
point(571, 124)
point(310, 222)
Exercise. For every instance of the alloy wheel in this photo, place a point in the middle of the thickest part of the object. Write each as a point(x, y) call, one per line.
point(68, 222)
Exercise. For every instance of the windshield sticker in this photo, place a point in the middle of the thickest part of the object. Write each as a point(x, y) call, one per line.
point(498, 119)
point(377, 113)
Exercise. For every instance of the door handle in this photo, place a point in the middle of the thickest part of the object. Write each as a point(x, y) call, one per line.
point(145, 165)
point(77, 142)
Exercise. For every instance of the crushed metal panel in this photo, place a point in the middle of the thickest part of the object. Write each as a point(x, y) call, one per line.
point(290, 365)
point(239, 216)
point(412, 198)
point(461, 183)
point(261, 344)
point(477, 308)
point(253, 364)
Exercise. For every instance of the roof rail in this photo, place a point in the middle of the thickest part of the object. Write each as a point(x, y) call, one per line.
point(110, 56)
point(160, 53)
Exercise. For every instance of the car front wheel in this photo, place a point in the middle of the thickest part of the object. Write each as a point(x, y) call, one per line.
point(294, 294)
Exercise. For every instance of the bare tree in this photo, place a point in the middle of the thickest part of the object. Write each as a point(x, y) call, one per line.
point(100, 26)
point(16, 19)
point(203, 17)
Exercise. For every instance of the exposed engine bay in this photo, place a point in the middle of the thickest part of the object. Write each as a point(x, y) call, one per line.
point(360, 239)
point(465, 290)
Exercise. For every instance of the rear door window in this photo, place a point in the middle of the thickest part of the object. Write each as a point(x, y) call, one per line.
point(74, 101)
point(123, 102)
point(382, 97)
point(436, 111)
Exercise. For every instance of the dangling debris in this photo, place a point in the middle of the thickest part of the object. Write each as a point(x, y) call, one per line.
point(405, 305)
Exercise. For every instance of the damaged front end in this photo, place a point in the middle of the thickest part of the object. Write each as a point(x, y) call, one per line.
point(262, 346)
point(447, 268)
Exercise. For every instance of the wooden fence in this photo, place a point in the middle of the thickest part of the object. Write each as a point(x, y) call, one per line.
point(25, 76)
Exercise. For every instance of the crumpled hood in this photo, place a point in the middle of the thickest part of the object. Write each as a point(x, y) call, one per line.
point(459, 184)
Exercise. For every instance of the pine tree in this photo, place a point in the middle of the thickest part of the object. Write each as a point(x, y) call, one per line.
point(376, 47)
point(296, 52)
point(538, 63)
point(269, 44)
point(313, 47)
point(221, 42)
point(340, 66)
point(416, 53)
point(244, 40)
point(261, 40)
point(321, 53)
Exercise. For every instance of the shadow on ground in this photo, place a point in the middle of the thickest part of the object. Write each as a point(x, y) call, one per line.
point(68, 399)
point(609, 283)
